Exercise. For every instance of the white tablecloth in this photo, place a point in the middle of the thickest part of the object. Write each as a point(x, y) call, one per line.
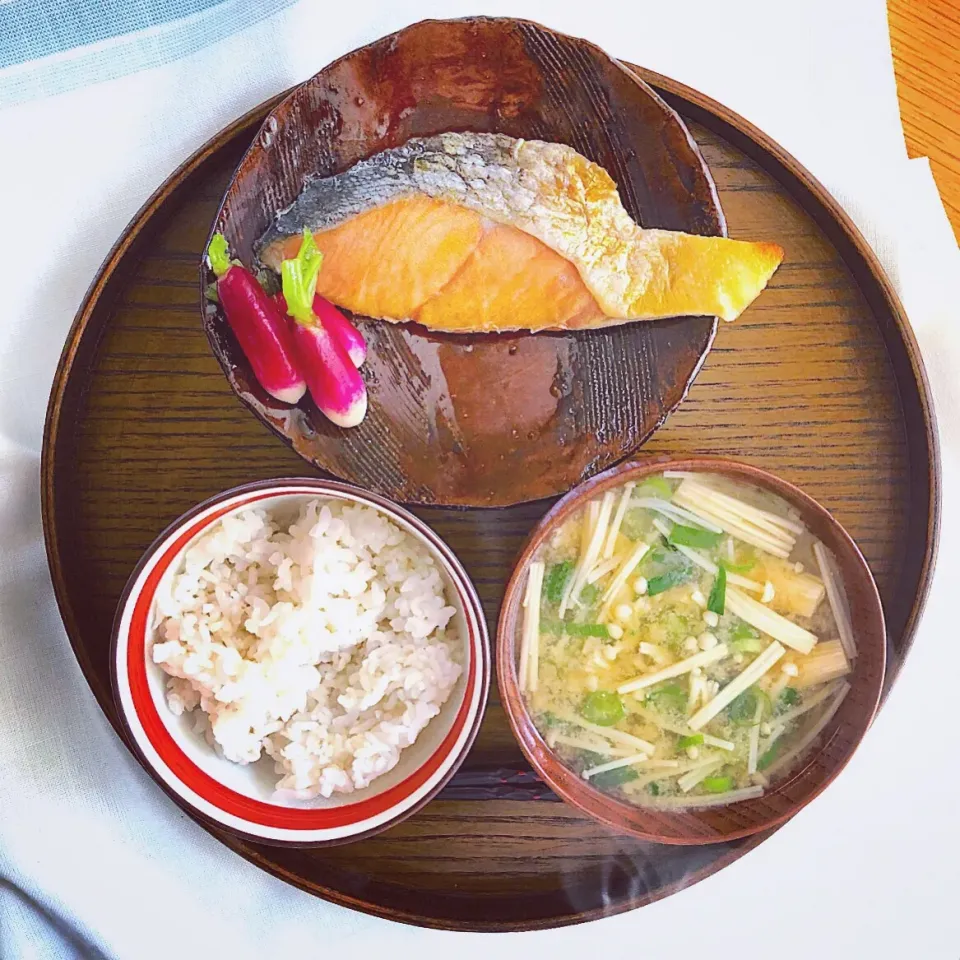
point(870, 870)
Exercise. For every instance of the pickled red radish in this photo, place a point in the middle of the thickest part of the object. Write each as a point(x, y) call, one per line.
point(337, 325)
point(260, 328)
point(334, 383)
point(332, 378)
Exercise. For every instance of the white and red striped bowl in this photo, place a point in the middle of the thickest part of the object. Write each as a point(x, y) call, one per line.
point(239, 797)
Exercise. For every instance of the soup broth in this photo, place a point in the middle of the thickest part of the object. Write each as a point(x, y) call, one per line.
point(684, 641)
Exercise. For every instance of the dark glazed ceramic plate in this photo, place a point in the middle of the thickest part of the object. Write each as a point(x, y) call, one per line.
point(481, 420)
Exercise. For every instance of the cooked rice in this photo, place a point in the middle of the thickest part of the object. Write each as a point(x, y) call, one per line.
point(326, 642)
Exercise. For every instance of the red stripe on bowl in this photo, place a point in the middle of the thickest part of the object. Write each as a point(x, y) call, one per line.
point(214, 792)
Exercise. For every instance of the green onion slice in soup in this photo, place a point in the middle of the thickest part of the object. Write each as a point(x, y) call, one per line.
point(587, 630)
point(665, 568)
point(603, 707)
point(670, 695)
point(655, 487)
point(745, 638)
point(718, 594)
point(589, 594)
point(745, 567)
point(789, 697)
point(717, 784)
point(666, 581)
point(767, 758)
point(684, 536)
point(556, 580)
point(743, 709)
point(743, 631)
point(615, 777)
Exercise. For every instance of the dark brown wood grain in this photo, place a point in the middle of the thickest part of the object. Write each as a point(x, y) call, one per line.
point(785, 797)
point(487, 420)
point(819, 382)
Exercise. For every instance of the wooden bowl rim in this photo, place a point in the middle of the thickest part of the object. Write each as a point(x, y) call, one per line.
point(427, 534)
point(611, 811)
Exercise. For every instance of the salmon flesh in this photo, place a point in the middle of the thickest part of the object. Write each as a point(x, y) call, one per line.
point(479, 232)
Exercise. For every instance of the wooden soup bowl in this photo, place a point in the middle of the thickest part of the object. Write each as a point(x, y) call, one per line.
point(799, 786)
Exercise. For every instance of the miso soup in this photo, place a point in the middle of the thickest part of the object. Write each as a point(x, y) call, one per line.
point(684, 641)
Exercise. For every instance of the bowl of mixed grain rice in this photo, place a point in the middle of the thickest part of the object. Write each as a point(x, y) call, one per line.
point(300, 661)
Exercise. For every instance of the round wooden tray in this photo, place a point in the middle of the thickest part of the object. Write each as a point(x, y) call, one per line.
point(820, 381)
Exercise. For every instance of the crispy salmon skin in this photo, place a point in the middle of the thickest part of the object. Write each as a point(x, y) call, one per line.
point(479, 232)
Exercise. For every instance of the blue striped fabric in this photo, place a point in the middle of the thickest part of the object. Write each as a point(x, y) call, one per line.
point(51, 46)
point(30, 29)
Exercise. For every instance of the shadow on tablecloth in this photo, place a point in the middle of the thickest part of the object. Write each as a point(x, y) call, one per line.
point(74, 943)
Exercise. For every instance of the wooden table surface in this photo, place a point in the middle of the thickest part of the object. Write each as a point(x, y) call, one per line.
point(925, 37)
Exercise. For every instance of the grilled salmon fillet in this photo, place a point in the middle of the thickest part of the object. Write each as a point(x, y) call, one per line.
point(474, 232)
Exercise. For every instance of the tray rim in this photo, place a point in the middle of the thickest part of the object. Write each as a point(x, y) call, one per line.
point(752, 141)
point(812, 196)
